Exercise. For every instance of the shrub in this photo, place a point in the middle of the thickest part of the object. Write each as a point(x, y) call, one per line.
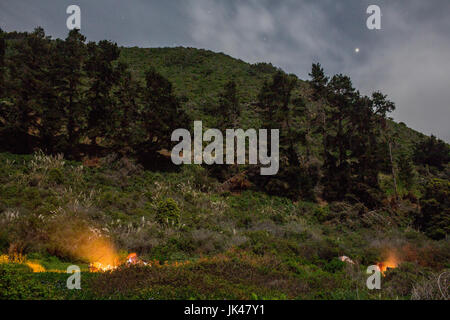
point(434, 218)
point(335, 265)
point(435, 287)
point(55, 175)
point(168, 212)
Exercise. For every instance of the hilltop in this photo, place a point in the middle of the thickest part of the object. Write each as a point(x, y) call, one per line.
point(200, 76)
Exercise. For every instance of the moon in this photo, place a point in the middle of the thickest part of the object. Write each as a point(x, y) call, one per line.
point(357, 50)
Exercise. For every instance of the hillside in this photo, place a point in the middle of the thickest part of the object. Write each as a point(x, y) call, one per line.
point(200, 75)
point(203, 243)
point(89, 183)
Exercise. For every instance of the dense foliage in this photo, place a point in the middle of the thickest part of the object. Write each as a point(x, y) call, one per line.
point(210, 244)
point(351, 181)
point(76, 98)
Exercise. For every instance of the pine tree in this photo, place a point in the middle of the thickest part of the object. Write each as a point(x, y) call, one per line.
point(318, 81)
point(27, 90)
point(352, 127)
point(369, 121)
point(52, 121)
point(160, 114)
point(338, 133)
point(229, 110)
point(228, 113)
point(127, 96)
point(281, 110)
point(102, 77)
point(72, 55)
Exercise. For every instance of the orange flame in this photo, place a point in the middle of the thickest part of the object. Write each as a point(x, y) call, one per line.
point(391, 262)
point(21, 259)
point(36, 267)
point(97, 266)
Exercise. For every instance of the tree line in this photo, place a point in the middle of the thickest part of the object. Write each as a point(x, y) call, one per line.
point(73, 97)
point(76, 97)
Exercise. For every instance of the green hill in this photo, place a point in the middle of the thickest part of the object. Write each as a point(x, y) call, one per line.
point(200, 239)
point(200, 76)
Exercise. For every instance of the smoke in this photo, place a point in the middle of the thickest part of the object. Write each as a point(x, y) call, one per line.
point(75, 239)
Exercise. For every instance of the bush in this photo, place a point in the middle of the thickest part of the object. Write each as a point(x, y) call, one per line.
point(55, 175)
point(435, 287)
point(168, 212)
point(432, 152)
point(335, 265)
point(434, 218)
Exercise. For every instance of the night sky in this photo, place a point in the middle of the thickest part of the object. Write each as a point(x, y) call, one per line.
point(408, 59)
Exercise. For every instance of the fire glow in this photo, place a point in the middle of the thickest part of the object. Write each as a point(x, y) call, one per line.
point(391, 262)
point(96, 266)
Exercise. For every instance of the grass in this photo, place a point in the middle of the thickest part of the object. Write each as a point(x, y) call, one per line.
point(239, 246)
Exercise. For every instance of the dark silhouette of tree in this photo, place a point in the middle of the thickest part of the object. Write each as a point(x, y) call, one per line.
point(52, 116)
point(103, 76)
point(352, 127)
point(434, 217)
point(229, 111)
point(160, 114)
point(27, 88)
point(228, 114)
point(318, 81)
point(433, 152)
point(125, 115)
point(280, 110)
point(73, 55)
point(338, 131)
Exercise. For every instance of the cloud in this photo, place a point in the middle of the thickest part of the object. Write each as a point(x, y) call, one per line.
point(407, 59)
point(411, 66)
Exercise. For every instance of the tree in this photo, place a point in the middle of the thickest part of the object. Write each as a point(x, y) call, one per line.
point(27, 91)
point(434, 217)
point(160, 114)
point(281, 110)
point(227, 113)
point(52, 117)
point(125, 131)
point(338, 133)
point(229, 110)
point(72, 56)
point(352, 127)
point(102, 77)
point(369, 122)
point(318, 81)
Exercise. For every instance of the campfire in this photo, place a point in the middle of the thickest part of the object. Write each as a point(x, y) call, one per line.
point(100, 267)
point(391, 262)
point(132, 259)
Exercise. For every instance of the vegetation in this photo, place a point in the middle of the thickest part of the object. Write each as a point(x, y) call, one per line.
point(351, 181)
